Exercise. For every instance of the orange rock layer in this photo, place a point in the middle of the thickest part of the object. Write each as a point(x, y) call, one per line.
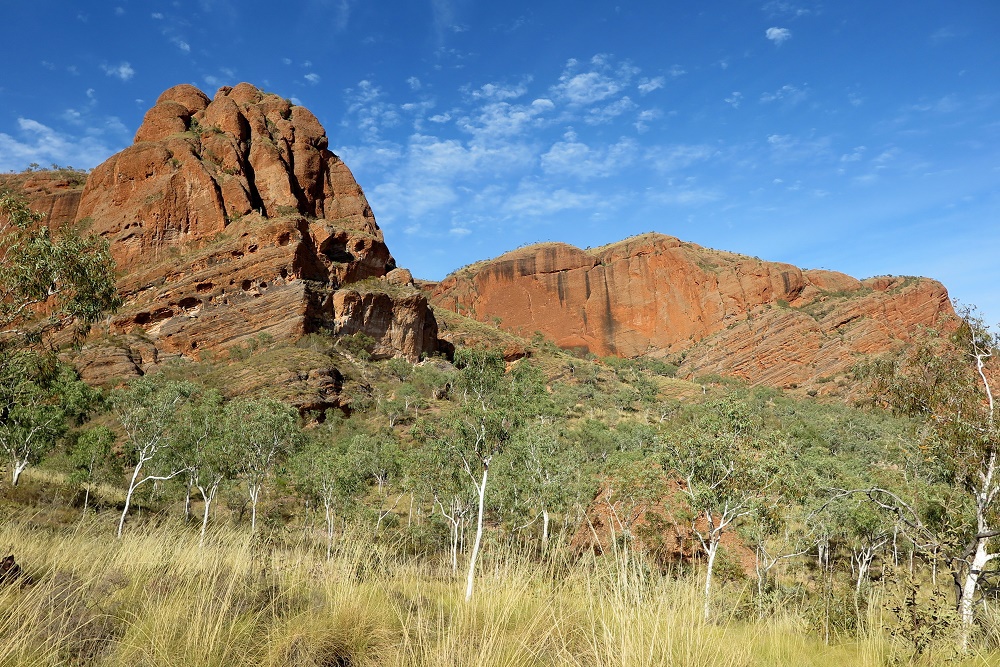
point(229, 218)
point(767, 322)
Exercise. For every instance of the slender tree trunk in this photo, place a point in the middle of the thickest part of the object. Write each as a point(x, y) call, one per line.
point(713, 550)
point(128, 498)
point(16, 471)
point(479, 536)
point(207, 498)
point(254, 495)
point(966, 611)
point(545, 529)
point(329, 528)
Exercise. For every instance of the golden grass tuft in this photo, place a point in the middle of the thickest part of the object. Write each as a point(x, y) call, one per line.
point(155, 598)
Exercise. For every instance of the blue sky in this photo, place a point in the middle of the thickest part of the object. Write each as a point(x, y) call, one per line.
point(859, 136)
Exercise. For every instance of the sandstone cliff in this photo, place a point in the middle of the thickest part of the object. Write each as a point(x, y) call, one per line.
point(230, 218)
point(718, 312)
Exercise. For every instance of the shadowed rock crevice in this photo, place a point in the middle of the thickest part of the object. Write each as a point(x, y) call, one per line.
point(229, 218)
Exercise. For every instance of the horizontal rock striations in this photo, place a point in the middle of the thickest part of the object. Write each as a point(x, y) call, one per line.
point(229, 218)
point(717, 312)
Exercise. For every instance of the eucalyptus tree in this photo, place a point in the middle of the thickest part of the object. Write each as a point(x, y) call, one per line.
point(379, 457)
point(147, 411)
point(38, 397)
point(48, 279)
point(493, 405)
point(94, 457)
point(544, 470)
point(208, 455)
point(325, 472)
point(259, 431)
point(948, 380)
point(725, 466)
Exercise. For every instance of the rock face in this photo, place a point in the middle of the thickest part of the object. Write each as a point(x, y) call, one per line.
point(230, 218)
point(722, 313)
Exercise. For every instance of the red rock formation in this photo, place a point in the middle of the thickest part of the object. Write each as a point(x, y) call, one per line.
point(229, 218)
point(767, 322)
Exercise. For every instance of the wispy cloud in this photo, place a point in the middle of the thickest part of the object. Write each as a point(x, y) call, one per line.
point(494, 91)
point(678, 156)
point(572, 157)
point(778, 35)
point(600, 80)
point(783, 8)
point(121, 71)
point(341, 14)
point(312, 78)
point(649, 85)
point(735, 100)
point(788, 94)
point(369, 110)
point(41, 144)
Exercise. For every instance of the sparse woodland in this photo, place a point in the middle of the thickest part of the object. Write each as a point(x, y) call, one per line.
point(555, 510)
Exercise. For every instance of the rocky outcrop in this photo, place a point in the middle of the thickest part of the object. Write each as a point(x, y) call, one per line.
point(230, 218)
point(766, 322)
point(55, 193)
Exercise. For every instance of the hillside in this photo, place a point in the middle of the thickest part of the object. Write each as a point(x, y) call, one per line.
point(711, 312)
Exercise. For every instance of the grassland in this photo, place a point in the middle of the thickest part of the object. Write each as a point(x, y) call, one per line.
point(156, 598)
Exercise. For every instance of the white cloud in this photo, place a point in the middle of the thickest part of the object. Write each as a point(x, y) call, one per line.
point(369, 109)
point(788, 93)
point(645, 117)
point(607, 113)
point(602, 81)
point(119, 11)
point(786, 148)
point(40, 143)
point(342, 16)
point(678, 156)
point(574, 158)
point(286, 61)
point(122, 71)
point(855, 155)
point(414, 83)
point(942, 35)
point(586, 88)
point(440, 118)
point(157, 15)
point(778, 35)
point(459, 231)
point(735, 100)
point(783, 8)
point(649, 85)
point(501, 120)
point(181, 44)
point(685, 193)
point(493, 91)
point(534, 200)
point(312, 78)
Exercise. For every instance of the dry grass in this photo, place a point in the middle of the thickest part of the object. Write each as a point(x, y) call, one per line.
point(155, 598)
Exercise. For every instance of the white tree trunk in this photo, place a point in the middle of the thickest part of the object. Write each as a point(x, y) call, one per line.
point(479, 536)
point(128, 497)
point(979, 560)
point(16, 471)
point(545, 529)
point(207, 497)
point(329, 528)
point(713, 549)
point(254, 495)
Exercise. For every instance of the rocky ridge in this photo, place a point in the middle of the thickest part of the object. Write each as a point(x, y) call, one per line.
point(712, 312)
point(230, 218)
